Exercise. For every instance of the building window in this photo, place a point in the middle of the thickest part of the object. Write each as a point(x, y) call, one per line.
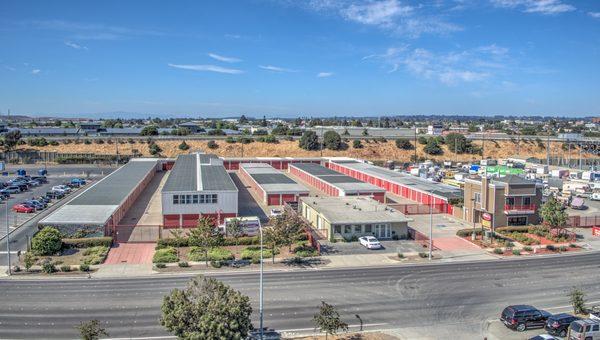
point(188, 199)
point(337, 229)
point(347, 229)
point(358, 229)
point(517, 221)
point(368, 228)
point(213, 198)
point(526, 200)
point(202, 199)
point(175, 199)
point(477, 197)
point(510, 201)
point(195, 199)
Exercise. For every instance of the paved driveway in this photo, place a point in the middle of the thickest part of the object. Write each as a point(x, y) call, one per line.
point(355, 248)
point(130, 253)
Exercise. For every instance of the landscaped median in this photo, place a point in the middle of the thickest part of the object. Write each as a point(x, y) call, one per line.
point(522, 240)
point(51, 253)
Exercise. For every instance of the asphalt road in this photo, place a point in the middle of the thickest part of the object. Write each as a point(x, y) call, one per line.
point(428, 301)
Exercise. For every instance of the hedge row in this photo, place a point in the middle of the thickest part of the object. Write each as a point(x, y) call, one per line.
point(467, 232)
point(521, 229)
point(87, 242)
point(242, 241)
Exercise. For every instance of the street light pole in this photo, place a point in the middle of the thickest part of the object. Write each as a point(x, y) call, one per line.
point(430, 226)
point(260, 292)
point(8, 240)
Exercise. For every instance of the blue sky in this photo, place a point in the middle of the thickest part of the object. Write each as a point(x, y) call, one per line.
point(300, 58)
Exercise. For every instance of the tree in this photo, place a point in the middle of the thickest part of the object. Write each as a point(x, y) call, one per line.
point(458, 143)
point(154, 149)
point(91, 330)
point(332, 140)
point(577, 299)
point(234, 228)
point(205, 236)
point(183, 146)
point(10, 140)
point(357, 144)
point(150, 130)
point(286, 227)
point(553, 213)
point(309, 141)
point(328, 320)
point(404, 144)
point(46, 242)
point(272, 239)
point(422, 140)
point(178, 236)
point(29, 260)
point(433, 148)
point(207, 309)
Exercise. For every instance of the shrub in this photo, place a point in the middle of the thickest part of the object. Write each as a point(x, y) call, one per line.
point(423, 255)
point(95, 255)
point(16, 269)
point(332, 140)
point(87, 242)
point(404, 144)
point(46, 242)
point(230, 140)
point(527, 248)
point(196, 254)
point(422, 140)
point(65, 268)
point(522, 238)
point(183, 264)
point(212, 144)
point(160, 265)
point(467, 232)
point(215, 264)
point(183, 146)
point(498, 251)
point(573, 245)
point(253, 252)
point(154, 149)
point(400, 255)
point(84, 267)
point(165, 255)
point(48, 267)
point(563, 248)
point(516, 252)
point(551, 247)
point(357, 144)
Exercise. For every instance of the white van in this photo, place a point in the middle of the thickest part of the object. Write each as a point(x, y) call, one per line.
point(586, 329)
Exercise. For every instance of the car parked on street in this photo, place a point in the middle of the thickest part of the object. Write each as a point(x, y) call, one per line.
point(559, 324)
point(370, 242)
point(22, 208)
point(523, 317)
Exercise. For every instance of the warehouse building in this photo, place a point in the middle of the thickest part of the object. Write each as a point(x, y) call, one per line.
point(98, 209)
point(279, 163)
point(198, 186)
point(334, 183)
point(274, 187)
point(414, 188)
point(348, 217)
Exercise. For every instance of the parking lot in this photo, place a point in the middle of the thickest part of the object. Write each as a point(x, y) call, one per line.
point(355, 248)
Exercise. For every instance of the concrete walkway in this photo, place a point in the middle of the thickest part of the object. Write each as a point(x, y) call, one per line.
point(130, 253)
point(123, 270)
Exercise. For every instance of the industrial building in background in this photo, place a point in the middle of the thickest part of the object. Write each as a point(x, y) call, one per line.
point(198, 186)
point(272, 186)
point(334, 183)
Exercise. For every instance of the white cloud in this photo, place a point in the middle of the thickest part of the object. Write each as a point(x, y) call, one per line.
point(207, 68)
point(36, 71)
point(324, 74)
point(450, 68)
point(91, 31)
point(276, 69)
point(223, 58)
point(547, 7)
point(376, 13)
point(75, 46)
point(595, 15)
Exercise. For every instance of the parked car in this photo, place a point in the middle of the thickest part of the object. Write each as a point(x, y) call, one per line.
point(4, 194)
point(55, 194)
point(33, 183)
point(78, 181)
point(559, 324)
point(544, 337)
point(370, 242)
point(522, 317)
point(41, 179)
point(276, 212)
point(12, 189)
point(37, 204)
point(23, 186)
point(22, 208)
point(61, 188)
point(43, 199)
point(586, 329)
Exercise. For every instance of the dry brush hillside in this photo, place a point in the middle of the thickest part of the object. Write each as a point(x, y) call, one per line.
point(371, 150)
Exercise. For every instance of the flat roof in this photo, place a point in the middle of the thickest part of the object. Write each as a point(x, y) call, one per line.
point(407, 180)
point(353, 210)
point(272, 180)
point(343, 182)
point(96, 204)
point(198, 172)
point(288, 159)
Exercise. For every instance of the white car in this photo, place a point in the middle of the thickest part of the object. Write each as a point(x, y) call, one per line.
point(595, 196)
point(61, 188)
point(276, 212)
point(369, 242)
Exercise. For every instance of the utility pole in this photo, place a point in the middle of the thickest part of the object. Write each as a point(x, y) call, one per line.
point(548, 150)
point(415, 144)
point(430, 226)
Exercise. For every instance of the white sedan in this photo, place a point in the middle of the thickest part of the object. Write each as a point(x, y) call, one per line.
point(369, 242)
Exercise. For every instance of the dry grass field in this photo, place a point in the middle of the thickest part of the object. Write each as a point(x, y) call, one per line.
point(371, 150)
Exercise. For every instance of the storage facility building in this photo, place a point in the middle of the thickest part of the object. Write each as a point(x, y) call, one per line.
point(280, 163)
point(198, 186)
point(274, 187)
point(414, 188)
point(334, 183)
point(98, 209)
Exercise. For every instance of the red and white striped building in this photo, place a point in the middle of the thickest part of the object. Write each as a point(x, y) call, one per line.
point(279, 163)
point(273, 186)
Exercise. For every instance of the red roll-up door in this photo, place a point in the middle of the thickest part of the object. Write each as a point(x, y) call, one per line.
point(190, 220)
point(274, 199)
point(288, 198)
point(171, 221)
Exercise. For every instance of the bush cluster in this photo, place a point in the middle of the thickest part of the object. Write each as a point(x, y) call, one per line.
point(94, 255)
point(230, 241)
point(165, 255)
point(253, 253)
point(196, 254)
point(87, 242)
point(46, 242)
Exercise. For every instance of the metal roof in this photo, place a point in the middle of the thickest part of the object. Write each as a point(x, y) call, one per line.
point(272, 180)
point(98, 202)
point(416, 183)
point(183, 175)
point(198, 172)
point(343, 182)
point(354, 210)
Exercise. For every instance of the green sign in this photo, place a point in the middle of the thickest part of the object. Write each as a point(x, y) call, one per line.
point(504, 170)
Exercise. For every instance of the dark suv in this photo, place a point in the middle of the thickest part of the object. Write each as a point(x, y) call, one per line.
point(559, 324)
point(522, 317)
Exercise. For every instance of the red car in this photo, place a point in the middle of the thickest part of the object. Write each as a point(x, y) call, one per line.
point(21, 208)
